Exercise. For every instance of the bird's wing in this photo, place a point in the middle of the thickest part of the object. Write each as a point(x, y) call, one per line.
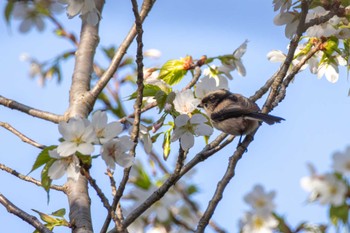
point(229, 112)
point(267, 118)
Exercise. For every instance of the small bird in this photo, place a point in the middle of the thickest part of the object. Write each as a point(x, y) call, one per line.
point(233, 113)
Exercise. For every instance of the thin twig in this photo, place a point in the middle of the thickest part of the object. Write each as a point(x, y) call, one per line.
point(230, 172)
point(98, 190)
point(208, 150)
point(30, 111)
point(138, 102)
point(282, 92)
point(108, 74)
point(23, 137)
point(184, 195)
point(32, 220)
point(28, 178)
point(289, 58)
point(197, 74)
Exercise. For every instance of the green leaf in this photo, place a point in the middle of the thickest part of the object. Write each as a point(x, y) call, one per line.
point(166, 145)
point(143, 180)
point(173, 71)
point(86, 159)
point(160, 97)
point(45, 179)
point(45, 217)
point(337, 213)
point(42, 158)
point(148, 91)
point(59, 213)
point(9, 10)
point(109, 52)
point(191, 189)
point(155, 137)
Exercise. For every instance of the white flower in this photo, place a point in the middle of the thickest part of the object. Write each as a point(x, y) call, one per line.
point(161, 208)
point(185, 102)
point(326, 29)
point(144, 136)
point(78, 135)
point(152, 53)
point(186, 127)
point(146, 139)
point(341, 162)
point(235, 63)
point(329, 70)
point(327, 189)
point(260, 200)
point(290, 19)
point(219, 73)
point(283, 5)
point(208, 84)
point(258, 223)
point(105, 132)
point(62, 165)
point(31, 17)
point(86, 8)
point(116, 151)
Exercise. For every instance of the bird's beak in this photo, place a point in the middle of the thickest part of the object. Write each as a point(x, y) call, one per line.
point(200, 105)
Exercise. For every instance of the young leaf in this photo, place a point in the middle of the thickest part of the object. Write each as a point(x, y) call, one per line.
point(339, 213)
point(173, 71)
point(9, 10)
point(45, 179)
point(45, 217)
point(149, 90)
point(143, 181)
point(42, 158)
point(59, 213)
point(166, 145)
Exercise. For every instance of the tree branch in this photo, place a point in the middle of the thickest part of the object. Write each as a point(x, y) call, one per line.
point(30, 111)
point(102, 82)
point(23, 137)
point(229, 174)
point(32, 220)
point(28, 178)
point(288, 61)
point(80, 105)
point(208, 150)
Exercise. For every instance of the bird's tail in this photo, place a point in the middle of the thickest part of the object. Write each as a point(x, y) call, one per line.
point(267, 118)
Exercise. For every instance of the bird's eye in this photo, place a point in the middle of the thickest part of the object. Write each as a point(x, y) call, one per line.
point(205, 105)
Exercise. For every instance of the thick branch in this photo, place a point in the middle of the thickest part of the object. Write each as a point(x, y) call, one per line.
point(30, 111)
point(80, 105)
point(32, 220)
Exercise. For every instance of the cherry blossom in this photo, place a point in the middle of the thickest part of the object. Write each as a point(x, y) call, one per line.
point(78, 135)
point(185, 102)
point(117, 151)
point(187, 127)
point(63, 165)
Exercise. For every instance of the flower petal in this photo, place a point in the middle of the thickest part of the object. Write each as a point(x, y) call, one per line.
point(187, 141)
point(181, 120)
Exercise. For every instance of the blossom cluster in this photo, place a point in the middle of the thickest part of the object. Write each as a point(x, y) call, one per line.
point(326, 61)
point(260, 218)
point(329, 188)
point(80, 136)
point(32, 13)
point(215, 77)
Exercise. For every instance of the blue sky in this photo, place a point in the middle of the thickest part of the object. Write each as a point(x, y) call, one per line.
point(315, 110)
